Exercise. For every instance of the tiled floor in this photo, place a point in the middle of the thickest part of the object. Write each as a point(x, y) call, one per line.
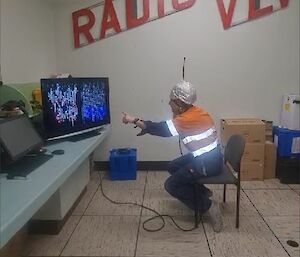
point(269, 217)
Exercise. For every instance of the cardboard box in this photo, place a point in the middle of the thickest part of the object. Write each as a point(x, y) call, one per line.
point(269, 130)
point(269, 125)
point(270, 160)
point(253, 130)
point(252, 171)
point(269, 137)
point(254, 153)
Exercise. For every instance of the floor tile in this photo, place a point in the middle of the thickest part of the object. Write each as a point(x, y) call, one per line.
point(215, 186)
point(104, 236)
point(295, 186)
point(275, 202)
point(286, 228)
point(229, 207)
point(47, 245)
point(220, 186)
point(171, 242)
point(108, 230)
point(139, 183)
point(264, 184)
point(298, 191)
point(252, 239)
point(161, 201)
point(156, 179)
point(86, 198)
point(101, 206)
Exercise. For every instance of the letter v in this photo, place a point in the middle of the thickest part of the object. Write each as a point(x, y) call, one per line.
point(226, 17)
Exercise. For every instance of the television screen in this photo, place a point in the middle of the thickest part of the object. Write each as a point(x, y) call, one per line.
point(72, 105)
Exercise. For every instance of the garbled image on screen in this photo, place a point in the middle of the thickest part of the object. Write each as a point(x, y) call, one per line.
point(63, 103)
point(93, 98)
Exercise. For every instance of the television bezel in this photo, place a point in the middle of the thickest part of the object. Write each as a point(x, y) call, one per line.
point(78, 132)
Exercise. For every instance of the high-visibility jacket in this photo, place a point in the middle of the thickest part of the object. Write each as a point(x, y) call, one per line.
point(195, 128)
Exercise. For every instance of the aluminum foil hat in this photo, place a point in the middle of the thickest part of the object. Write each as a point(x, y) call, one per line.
point(184, 91)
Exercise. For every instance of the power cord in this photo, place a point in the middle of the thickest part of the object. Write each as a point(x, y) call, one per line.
point(158, 215)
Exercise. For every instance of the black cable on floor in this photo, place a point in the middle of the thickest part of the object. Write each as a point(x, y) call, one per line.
point(158, 215)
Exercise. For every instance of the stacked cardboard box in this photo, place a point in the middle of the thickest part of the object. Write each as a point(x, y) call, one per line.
point(270, 160)
point(269, 130)
point(270, 152)
point(253, 130)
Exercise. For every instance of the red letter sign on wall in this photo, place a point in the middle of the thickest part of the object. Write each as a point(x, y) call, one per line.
point(109, 10)
point(284, 3)
point(131, 19)
point(110, 19)
point(161, 8)
point(226, 17)
point(181, 6)
point(85, 29)
point(253, 13)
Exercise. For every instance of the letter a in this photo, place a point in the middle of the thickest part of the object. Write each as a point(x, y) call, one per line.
point(109, 10)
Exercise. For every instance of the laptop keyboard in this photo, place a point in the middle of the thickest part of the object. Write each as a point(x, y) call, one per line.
point(25, 165)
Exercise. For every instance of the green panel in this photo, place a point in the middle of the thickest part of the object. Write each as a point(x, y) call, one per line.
point(18, 92)
point(26, 89)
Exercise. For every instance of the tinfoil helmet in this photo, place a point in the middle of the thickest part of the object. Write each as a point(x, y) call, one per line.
point(184, 91)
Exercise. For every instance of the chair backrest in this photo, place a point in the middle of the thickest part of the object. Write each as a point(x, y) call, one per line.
point(234, 151)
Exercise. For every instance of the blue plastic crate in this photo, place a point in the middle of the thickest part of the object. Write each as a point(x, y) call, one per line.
point(122, 164)
point(287, 141)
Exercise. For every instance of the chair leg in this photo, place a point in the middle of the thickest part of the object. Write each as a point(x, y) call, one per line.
point(238, 191)
point(196, 205)
point(224, 194)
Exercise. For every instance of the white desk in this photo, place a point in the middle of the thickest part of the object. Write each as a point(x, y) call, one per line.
point(21, 199)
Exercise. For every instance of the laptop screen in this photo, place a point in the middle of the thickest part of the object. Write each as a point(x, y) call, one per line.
point(18, 136)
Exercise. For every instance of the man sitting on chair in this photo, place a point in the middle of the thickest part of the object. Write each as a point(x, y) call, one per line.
point(196, 130)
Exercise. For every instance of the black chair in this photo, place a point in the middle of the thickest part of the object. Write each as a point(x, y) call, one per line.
point(230, 175)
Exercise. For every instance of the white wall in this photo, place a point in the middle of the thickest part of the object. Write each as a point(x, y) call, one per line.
point(240, 72)
point(27, 40)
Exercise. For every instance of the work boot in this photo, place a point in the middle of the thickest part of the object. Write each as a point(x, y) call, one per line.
point(215, 216)
point(205, 190)
point(209, 193)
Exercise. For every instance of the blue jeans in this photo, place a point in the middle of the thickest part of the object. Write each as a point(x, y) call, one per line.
point(186, 170)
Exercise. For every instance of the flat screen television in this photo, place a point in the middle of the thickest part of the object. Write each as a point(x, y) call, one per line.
point(74, 105)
